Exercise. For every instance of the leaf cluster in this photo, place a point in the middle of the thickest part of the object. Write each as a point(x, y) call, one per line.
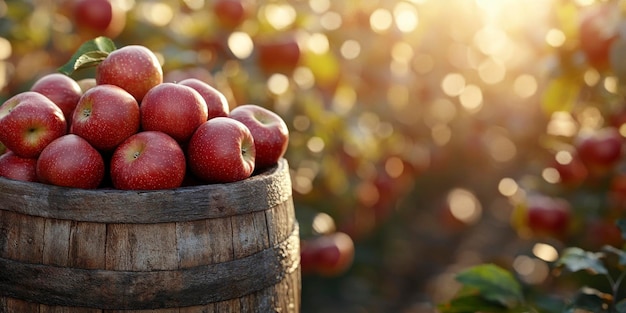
point(491, 288)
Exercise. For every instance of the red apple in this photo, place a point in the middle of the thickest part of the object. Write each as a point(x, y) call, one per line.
point(70, 161)
point(547, 216)
point(278, 55)
point(221, 150)
point(598, 30)
point(270, 133)
point(174, 109)
point(216, 102)
point(230, 13)
point(135, 68)
point(600, 150)
point(18, 168)
point(61, 89)
point(29, 122)
point(148, 160)
point(105, 116)
point(95, 18)
point(327, 255)
point(600, 232)
point(572, 171)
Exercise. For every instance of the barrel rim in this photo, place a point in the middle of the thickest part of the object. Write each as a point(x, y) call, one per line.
point(260, 192)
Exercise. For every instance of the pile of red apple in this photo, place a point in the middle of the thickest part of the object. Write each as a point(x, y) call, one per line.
point(131, 130)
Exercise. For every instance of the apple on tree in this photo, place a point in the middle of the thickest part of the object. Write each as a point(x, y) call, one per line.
point(230, 13)
point(600, 150)
point(216, 102)
point(270, 133)
point(18, 168)
point(543, 216)
point(174, 109)
point(70, 161)
point(327, 255)
point(148, 160)
point(278, 55)
point(61, 89)
point(221, 150)
point(134, 68)
point(105, 116)
point(98, 18)
point(572, 171)
point(598, 29)
point(29, 121)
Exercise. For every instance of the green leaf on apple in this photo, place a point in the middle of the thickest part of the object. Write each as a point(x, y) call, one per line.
point(493, 283)
point(576, 259)
point(89, 54)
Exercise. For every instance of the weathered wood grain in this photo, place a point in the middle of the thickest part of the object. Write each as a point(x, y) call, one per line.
point(258, 193)
point(108, 289)
point(214, 248)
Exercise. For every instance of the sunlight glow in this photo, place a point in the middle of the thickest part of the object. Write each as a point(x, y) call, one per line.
point(278, 84)
point(280, 16)
point(156, 13)
point(453, 84)
point(545, 252)
point(464, 205)
point(331, 20)
point(555, 37)
point(350, 49)
point(381, 20)
point(525, 86)
point(471, 98)
point(406, 17)
point(508, 187)
point(240, 44)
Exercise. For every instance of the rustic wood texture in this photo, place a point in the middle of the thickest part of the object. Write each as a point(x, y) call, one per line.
point(258, 193)
point(203, 249)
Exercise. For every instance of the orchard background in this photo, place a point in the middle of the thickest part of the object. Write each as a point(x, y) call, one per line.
point(421, 128)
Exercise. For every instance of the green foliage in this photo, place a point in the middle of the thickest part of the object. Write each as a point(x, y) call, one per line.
point(576, 259)
point(486, 288)
point(89, 54)
point(489, 288)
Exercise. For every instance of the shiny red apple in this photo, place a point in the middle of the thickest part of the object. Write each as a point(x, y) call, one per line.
point(134, 68)
point(105, 116)
point(174, 109)
point(216, 102)
point(18, 168)
point(29, 121)
point(70, 161)
point(148, 160)
point(270, 133)
point(63, 90)
point(221, 150)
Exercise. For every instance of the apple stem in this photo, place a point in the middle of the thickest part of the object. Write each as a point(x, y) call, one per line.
point(136, 155)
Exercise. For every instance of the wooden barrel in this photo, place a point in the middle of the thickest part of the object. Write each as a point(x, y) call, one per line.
point(212, 248)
